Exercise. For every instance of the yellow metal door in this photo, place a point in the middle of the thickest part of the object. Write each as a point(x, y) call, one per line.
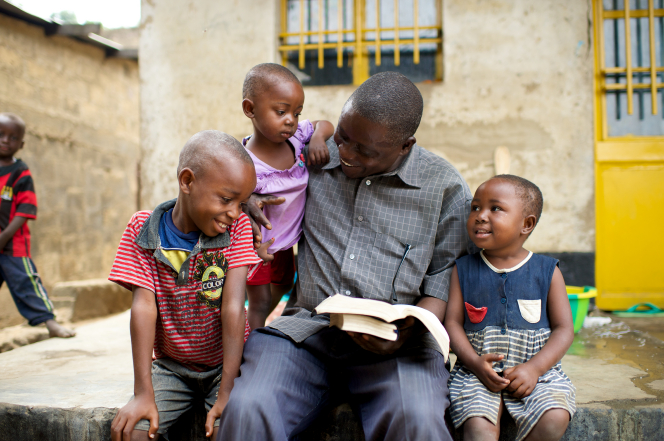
point(629, 152)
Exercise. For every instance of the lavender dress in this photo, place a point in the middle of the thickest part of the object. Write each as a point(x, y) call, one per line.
point(291, 184)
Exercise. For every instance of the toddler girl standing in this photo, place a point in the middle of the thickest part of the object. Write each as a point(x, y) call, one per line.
point(273, 99)
point(509, 322)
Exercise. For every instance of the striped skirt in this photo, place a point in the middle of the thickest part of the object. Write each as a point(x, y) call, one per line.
point(470, 398)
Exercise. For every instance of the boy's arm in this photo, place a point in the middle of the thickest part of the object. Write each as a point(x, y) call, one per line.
point(11, 229)
point(524, 376)
point(142, 327)
point(318, 154)
point(232, 335)
point(479, 365)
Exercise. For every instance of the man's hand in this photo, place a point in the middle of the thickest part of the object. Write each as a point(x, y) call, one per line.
point(215, 412)
point(262, 251)
point(385, 347)
point(141, 407)
point(523, 379)
point(254, 209)
point(483, 369)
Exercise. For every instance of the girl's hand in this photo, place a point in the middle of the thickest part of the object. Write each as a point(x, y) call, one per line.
point(318, 154)
point(262, 251)
point(483, 370)
point(523, 379)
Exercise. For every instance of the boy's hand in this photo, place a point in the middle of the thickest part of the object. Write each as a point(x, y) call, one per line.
point(483, 369)
point(141, 407)
point(215, 412)
point(318, 154)
point(254, 209)
point(523, 379)
point(262, 251)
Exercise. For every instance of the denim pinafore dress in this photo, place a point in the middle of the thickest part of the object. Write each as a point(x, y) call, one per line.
point(505, 313)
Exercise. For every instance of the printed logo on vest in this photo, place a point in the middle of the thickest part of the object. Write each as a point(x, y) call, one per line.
point(211, 270)
point(7, 193)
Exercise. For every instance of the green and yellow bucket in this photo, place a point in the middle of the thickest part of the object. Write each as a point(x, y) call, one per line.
point(579, 299)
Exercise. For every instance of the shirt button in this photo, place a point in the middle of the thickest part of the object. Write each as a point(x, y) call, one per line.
point(352, 257)
point(504, 275)
point(503, 300)
point(360, 218)
point(503, 331)
point(368, 182)
point(347, 293)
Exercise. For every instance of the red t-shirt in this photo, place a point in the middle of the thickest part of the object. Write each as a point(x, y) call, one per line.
point(17, 198)
point(189, 324)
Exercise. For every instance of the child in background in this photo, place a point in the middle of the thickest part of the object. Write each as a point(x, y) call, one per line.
point(18, 203)
point(272, 97)
point(187, 264)
point(509, 322)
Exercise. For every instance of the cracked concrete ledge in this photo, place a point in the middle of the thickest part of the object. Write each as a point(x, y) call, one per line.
point(71, 389)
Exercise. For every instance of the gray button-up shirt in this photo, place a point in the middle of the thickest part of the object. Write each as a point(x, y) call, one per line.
point(356, 231)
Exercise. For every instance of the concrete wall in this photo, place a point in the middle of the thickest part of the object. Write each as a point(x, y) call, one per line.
point(518, 74)
point(82, 146)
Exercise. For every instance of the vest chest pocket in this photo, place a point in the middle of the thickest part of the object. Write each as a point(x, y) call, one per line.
point(531, 310)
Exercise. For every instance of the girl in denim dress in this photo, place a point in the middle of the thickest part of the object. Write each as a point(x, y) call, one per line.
point(509, 322)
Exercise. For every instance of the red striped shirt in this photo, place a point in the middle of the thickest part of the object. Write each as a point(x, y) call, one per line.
point(188, 329)
point(17, 198)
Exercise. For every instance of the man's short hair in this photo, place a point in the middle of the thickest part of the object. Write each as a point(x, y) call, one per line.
point(529, 193)
point(260, 78)
point(392, 100)
point(204, 147)
point(15, 119)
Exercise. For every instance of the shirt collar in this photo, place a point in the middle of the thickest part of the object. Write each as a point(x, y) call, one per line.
point(148, 237)
point(408, 171)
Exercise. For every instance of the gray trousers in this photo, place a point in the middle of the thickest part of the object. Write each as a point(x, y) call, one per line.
point(283, 386)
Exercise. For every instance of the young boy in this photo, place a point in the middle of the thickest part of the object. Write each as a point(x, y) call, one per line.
point(187, 263)
point(18, 203)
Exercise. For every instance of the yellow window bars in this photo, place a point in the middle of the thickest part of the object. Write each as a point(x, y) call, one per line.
point(362, 30)
point(629, 52)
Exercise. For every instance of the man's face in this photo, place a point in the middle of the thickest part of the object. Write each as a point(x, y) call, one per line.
point(11, 138)
point(364, 147)
point(216, 196)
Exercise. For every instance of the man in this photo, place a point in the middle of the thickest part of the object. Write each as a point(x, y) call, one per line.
point(380, 204)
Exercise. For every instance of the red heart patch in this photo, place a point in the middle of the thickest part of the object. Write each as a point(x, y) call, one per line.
point(476, 315)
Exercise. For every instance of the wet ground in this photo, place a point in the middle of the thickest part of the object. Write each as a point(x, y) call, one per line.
point(620, 364)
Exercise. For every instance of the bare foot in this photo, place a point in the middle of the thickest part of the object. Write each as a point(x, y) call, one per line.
point(55, 329)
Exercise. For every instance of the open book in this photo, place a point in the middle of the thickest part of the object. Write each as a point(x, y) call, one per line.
point(374, 317)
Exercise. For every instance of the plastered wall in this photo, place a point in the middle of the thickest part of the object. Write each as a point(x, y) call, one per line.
point(517, 73)
point(82, 146)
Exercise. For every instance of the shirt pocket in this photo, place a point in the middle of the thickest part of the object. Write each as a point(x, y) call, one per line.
point(475, 315)
point(531, 310)
point(386, 256)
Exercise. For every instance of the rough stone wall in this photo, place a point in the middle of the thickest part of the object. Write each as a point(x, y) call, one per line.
point(518, 74)
point(82, 146)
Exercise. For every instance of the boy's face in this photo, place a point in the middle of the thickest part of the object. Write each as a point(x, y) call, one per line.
point(365, 148)
point(275, 112)
point(496, 220)
point(11, 137)
point(216, 196)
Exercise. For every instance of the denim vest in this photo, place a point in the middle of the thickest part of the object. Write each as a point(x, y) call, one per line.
point(510, 300)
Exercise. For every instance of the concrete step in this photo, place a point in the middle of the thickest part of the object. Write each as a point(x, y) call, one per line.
point(71, 389)
point(86, 299)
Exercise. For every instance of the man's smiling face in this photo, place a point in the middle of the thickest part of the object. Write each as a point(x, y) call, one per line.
point(364, 146)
